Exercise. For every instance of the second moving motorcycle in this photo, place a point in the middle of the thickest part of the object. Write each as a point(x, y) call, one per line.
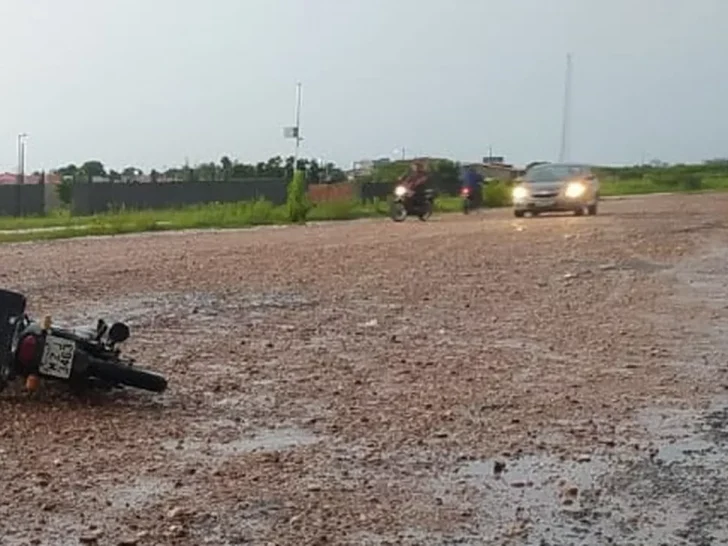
point(471, 199)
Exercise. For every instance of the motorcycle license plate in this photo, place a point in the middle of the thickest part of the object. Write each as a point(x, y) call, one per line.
point(57, 359)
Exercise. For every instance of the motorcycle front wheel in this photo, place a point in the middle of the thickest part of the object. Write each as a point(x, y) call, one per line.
point(122, 374)
point(398, 212)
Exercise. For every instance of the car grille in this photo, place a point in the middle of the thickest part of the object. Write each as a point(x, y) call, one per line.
point(545, 194)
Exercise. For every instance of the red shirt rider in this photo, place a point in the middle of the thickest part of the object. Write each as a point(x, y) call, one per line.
point(415, 178)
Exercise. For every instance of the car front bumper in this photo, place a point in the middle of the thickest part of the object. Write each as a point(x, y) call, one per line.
point(550, 204)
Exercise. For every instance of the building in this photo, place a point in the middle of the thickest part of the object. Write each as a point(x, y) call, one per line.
point(495, 168)
point(12, 178)
point(365, 167)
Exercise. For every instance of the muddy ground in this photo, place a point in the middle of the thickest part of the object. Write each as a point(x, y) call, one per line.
point(470, 380)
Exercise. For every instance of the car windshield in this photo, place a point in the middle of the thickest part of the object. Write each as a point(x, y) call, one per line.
point(553, 173)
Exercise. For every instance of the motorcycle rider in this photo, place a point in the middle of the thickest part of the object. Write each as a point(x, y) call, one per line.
point(415, 180)
point(472, 180)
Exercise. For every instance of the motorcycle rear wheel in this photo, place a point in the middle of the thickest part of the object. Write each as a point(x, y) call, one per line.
point(426, 211)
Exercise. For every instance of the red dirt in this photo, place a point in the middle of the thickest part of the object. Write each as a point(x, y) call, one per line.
point(367, 358)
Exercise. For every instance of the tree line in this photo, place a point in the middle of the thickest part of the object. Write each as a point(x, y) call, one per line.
point(225, 169)
point(441, 170)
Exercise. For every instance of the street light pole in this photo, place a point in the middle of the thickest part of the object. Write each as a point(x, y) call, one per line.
point(21, 174)
point(21, 157)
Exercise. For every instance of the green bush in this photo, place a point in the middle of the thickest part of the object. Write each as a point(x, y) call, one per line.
point(297, 203)
point(691, 182)
point(65, 192)
point(497, 194)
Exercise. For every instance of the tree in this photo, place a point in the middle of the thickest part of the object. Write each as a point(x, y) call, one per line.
point(206, 171)
point(243, 170)
point(68, 170)
point(93, 168)
point(227, 167)
point(65, 190)
point(334, 174)
point(313, 172)
point(288, 166)
point(274, 166)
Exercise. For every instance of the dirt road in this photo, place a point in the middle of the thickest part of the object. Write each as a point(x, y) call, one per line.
point(367, 382)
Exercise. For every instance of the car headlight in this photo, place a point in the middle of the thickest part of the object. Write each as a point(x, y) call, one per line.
point(399, 191)
point(519, 192)
point(575, 189)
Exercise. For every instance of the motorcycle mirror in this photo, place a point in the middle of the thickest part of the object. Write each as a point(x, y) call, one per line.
point(119, 332)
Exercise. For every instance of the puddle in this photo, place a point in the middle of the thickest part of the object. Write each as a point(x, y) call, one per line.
point(640, 264)
point(700, 451)
point(675, 491)
point(535, 496)
point(103, 506)
point(141, 492)
point(264, 440)
point(671, 492)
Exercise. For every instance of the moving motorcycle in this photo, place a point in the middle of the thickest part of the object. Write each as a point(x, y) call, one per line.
point(406, 203)
point(471, 199)
point(34, 350)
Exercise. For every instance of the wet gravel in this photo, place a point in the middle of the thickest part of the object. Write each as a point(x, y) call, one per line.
point(469, 380)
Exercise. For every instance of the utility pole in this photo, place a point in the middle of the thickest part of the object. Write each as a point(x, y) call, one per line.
point(299, 93)
point(564, 151)
point(295, 131)
point(21, 157)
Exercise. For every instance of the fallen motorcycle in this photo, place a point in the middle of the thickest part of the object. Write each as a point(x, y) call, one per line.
point(37, 350)
point(406, 204)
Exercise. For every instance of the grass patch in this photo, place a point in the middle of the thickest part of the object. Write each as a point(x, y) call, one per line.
point(212, 215)
point(647, 185)
point(62, 225)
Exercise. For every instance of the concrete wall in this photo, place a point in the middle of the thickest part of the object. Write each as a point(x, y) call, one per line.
point(92, 198)
point(22, 199)
point(52, 199)
point(341, 191)
point(375, 190)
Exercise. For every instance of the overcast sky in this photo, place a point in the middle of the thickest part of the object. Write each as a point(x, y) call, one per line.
point(150, 82)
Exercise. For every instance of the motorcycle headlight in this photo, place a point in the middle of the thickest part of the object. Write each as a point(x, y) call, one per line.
point(575, 189)
point(519, 192)
point(399, 191)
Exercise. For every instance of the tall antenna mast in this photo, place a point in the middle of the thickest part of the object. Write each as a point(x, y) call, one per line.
point(564, 151)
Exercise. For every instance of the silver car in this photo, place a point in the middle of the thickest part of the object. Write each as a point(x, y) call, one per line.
point(557, 187)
